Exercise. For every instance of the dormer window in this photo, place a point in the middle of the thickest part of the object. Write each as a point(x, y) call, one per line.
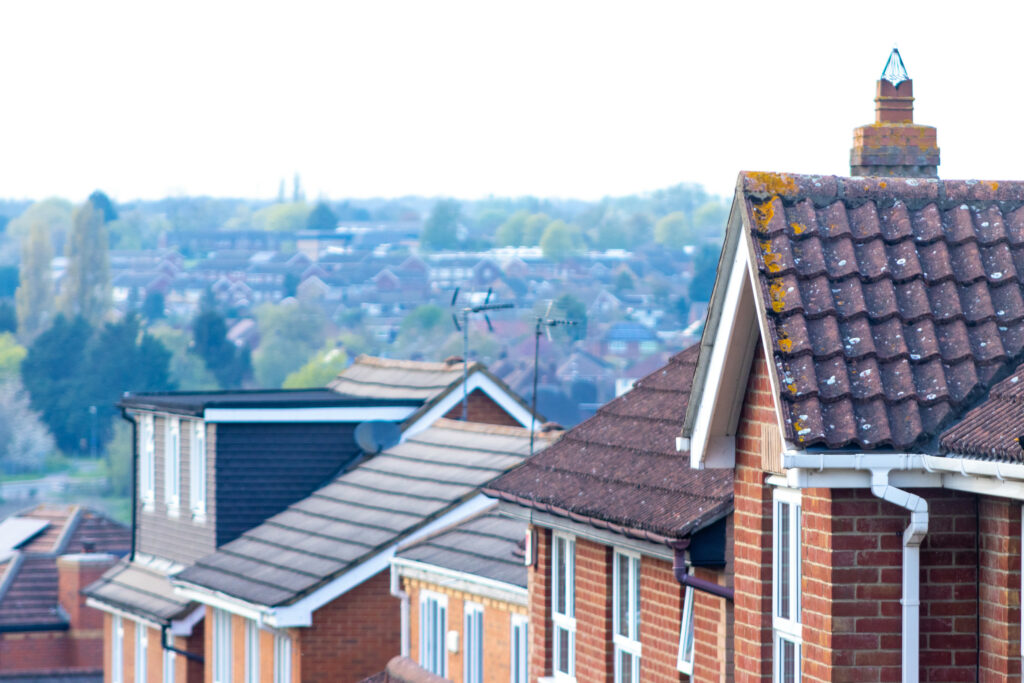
point(197, 469)
point(172, 464)
point(147, 468)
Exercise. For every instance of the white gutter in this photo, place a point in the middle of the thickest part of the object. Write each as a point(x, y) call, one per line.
point(880, 465)
point(396, 591)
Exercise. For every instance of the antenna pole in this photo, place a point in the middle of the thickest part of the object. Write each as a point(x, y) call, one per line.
point(533, 406)
point(465, 365)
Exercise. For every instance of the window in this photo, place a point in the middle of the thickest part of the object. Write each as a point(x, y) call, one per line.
point(282, 658)
point(786, 586)
point(168, 666)
point(197, 469)
point(147, 470)
point(172, 463)
point(473, 653)
point(563, 604)
point(141, 641)
point(221, 646)
point(433, 625)
point(626, 616)
point(684, 662)
point(617, 347)
point(117, 650)
point(252, 652)
point(520, 647)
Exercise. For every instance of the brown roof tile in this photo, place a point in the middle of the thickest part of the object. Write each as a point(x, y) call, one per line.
point(892, 304)
point(621, 466)
point(993, 429)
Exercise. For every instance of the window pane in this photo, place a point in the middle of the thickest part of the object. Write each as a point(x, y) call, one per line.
point(625, 670)
point(788, 664)
point(782, 570)
point(635, 599)
point(796, 563)
point(563, 650)
point(622, 594)
point(559, 578)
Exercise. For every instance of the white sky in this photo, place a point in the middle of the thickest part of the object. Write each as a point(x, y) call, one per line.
point(572, 99)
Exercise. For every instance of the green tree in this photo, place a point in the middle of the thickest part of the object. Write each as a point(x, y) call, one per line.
point(560, 241)
point(534, 228)
point(673, 231)
point(289, 334)
point(102, 202)
point(187, 369)
point(228, 364)
point(624, 281)
point(705, 271)
point(153, 306)
point(11, 355)
point(85, 290)
point(510, 233)
point(321, 369)
point(423, 318)
point(24, 439)
point(710, 218)
point(441, 229)
point(570, 307)
point(281, 217)
point(34, 298)
point(321, 218)
point(119, 460)
point(8, 316)
point(53, 213)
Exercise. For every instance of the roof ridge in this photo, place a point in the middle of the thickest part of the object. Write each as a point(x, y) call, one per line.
point(403, 364)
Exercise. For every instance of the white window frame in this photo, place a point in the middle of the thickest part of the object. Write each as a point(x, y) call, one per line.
point(197, 469)
point(282, 658)
point(433, 653)
point(169, 666)
point(117, 649)
point(786, 629)
point(222, 647)
point(172, 464)
point(147, 461)
point(252, 652)
point(563, 621)
point(626, 640)
point(684, 660)
point(473, 643)
point(519, 659)
point(141, 648)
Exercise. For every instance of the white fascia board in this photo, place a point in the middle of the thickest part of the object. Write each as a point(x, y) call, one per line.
point(219, 600)
point(322, 414)
point(110, 609)
point(461, 581)
point(301, 612)
point(721, 353)
point(184, 626)
point(476, 380)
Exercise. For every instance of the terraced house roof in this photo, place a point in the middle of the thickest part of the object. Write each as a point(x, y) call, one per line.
point(892, 304)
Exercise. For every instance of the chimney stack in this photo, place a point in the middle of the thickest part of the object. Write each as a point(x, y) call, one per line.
point(894, 145)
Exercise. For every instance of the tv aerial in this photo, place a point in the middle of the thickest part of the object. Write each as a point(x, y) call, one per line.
point(465, 313)
point(545, 323)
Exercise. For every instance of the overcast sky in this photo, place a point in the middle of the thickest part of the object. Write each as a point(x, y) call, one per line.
point(552, 98)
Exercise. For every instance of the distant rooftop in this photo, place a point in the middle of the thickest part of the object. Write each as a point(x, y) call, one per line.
point(195, 402)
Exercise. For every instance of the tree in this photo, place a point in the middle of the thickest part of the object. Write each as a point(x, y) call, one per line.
point(229, 364)
point(187, 369)
point(289, 334)
point(11, 355)
point(53, 213)
point(34, 298)
point(119, 460)
point(102, 202)
point(673, 231)
point(560, 241)
point(85, 291)
point(533, 229)
point(24, 439)
point(423, 318)
point(8, 316)
point(510, 233)
point(153, 305)
point(710, 218)
point(441, 229)
point(705, 270)
point(281, 217)
point(321, 218)
point(569, 306)
point(321, 369)
point(298, 194)
point(624, 281)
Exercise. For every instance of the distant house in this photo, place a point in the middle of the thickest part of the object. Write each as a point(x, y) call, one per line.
point(308, 594)
point(47, 554)
point(629, 339)
point(469, 578)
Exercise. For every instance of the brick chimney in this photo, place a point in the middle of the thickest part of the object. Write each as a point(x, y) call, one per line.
point(894, 145)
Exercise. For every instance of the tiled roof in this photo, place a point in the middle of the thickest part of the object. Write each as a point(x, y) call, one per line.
point(994, 428)
point(387, 378)
point(30, 598)
point(360, 513)
point(621, 467)
point(139, 589)
point(484, 545)
point(892, 303)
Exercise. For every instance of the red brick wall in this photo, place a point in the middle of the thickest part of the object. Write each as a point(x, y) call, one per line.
point(752, 536)
point(497, 629)
point(661, 607)
point(1000, 589)
point(352, 637)
point(481, 408)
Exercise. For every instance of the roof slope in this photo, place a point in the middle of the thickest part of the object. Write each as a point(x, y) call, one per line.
point(994, 428)
point(360, 513)
point(139, 589)
point(892, 303)
point(484, 545)
point(621, 467)
point(374, 377)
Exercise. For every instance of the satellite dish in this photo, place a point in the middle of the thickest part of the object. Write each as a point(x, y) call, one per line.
point(373, 437)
